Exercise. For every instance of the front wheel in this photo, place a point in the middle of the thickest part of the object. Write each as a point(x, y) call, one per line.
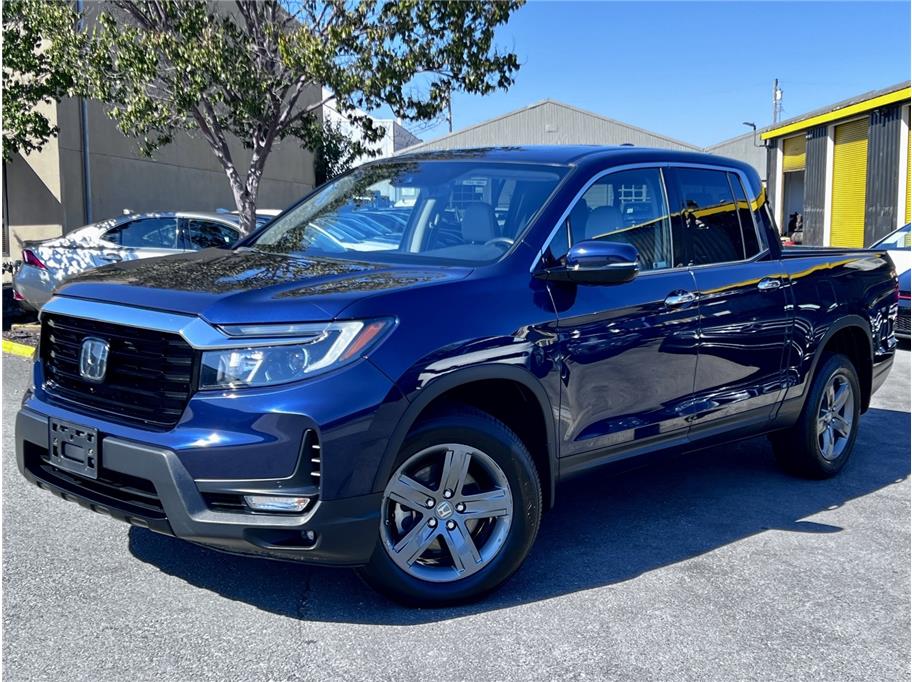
point(821, 442)
point(459, 513)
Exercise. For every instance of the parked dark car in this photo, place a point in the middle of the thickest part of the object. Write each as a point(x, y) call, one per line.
point(406, 400)
point(903, 327)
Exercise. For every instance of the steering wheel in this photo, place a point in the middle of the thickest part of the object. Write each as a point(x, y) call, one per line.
point(497, 241)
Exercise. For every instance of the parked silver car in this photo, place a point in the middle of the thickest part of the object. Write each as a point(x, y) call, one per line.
point(46, 264)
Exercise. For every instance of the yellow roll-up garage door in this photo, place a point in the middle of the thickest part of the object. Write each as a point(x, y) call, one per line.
point(794, 153)
point(908, 175)
point(850, 171)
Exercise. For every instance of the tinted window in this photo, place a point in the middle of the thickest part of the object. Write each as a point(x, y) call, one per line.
point(148, 233)
point(204, 234)
point(748, 231)
point(708, 217)
point(627, 207)
point(767, 224)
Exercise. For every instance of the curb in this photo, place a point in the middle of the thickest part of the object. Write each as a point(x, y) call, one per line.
point(20, 349)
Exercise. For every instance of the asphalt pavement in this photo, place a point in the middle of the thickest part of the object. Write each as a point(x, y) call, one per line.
point(713, 566)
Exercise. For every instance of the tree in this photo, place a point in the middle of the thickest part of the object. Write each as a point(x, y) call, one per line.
point(37, 68)
point(335, 153)
point(250, 69)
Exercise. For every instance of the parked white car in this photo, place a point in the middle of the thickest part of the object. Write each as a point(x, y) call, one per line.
point(899, 245)
point(46, 264)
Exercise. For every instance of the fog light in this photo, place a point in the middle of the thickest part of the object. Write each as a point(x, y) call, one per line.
point(276, 503)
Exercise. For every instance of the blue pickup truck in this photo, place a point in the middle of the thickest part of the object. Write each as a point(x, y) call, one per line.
point(396, 373)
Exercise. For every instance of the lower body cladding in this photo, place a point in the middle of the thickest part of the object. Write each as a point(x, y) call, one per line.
point(149, 487)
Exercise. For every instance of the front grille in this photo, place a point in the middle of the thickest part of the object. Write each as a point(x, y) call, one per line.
point(902, 322)
point(149, 378)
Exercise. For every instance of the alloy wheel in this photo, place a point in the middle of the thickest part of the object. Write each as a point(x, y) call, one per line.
point(446, 513)
point(835, 417)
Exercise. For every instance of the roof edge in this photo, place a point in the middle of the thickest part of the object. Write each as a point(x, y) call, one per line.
point(847, 107)
point(417, 147)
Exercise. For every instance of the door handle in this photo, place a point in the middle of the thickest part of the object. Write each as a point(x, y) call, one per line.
point(677, 298)
point(768, 283)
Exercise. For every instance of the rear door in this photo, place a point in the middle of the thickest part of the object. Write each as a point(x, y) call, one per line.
point(628, 352)
point(744, 317)
point(141, 238)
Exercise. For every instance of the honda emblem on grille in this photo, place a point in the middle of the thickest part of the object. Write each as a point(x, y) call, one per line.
point(93, 359)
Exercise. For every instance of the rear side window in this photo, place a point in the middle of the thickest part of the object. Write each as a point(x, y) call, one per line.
point(204, 234)
point(627, 207)
point(708, 216)
point(748, 231)
point(147, 233)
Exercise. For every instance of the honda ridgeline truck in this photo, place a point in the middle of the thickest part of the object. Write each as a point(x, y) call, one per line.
point(396, 373)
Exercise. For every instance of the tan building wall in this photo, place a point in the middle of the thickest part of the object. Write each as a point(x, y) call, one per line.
point(32, 192)
point(43, 191)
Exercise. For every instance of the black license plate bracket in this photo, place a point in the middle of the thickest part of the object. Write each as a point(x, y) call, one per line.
point(74, 448)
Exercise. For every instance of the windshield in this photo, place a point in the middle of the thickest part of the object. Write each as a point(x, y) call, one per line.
point(898, 240)
point(465, 212)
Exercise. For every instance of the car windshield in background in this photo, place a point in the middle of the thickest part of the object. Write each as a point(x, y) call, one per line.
point(461, 211)
point(898, 240)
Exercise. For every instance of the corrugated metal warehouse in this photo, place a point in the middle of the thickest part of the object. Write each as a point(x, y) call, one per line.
point(550, 122)
point(747, 148)
point(843, 170)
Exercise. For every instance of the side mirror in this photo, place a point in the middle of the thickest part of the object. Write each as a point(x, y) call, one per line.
point(596, 262)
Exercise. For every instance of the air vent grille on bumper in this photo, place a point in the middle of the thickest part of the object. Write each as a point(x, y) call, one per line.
point(902, 322)
point(149, 379)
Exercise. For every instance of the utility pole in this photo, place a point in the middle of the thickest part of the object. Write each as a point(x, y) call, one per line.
point(777, 100)
point(450, 106)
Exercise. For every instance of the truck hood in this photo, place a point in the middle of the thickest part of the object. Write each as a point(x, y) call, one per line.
point(247, 286)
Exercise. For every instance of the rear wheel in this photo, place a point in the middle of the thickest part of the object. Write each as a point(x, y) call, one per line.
point(459, 513)
point(821, 442)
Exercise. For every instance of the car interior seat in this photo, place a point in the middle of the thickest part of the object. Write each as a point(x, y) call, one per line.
point(479, 224)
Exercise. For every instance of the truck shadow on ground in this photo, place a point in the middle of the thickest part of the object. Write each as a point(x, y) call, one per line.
point(606, 529)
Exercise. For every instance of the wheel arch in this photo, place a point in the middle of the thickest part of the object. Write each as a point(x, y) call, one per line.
point(473, 386)
point(851, 336)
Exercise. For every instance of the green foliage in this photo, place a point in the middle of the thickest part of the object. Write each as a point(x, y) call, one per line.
point(254, 70)
point(37, 69)
point(335, 152)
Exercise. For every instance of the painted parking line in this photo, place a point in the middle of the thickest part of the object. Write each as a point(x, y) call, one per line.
point(19, 349)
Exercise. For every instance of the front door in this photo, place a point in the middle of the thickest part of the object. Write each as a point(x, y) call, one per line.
point(628, 352)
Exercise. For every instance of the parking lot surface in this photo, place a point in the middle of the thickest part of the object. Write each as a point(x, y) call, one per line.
point(714, 565)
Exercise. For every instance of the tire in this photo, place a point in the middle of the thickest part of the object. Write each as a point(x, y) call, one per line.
point(806, 449)
point(454, 469)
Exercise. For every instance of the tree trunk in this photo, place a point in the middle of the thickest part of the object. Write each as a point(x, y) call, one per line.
point(245, 202)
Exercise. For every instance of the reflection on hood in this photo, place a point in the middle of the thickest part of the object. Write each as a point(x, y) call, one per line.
point(216, 271)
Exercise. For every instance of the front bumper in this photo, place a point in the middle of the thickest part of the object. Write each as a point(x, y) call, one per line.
point(148, 486)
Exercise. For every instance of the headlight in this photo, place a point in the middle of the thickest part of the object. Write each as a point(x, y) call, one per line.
point(313, 348)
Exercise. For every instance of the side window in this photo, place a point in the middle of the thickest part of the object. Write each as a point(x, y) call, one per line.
point(765, 218)
point(748, 231)
point(147, 233)
point(708, 216)
point(204, 234)
point(627, 207)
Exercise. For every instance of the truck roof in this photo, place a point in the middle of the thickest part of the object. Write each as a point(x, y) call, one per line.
point(568, 154)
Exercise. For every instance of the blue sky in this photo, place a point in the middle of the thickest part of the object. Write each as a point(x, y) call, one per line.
point(695, 71)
